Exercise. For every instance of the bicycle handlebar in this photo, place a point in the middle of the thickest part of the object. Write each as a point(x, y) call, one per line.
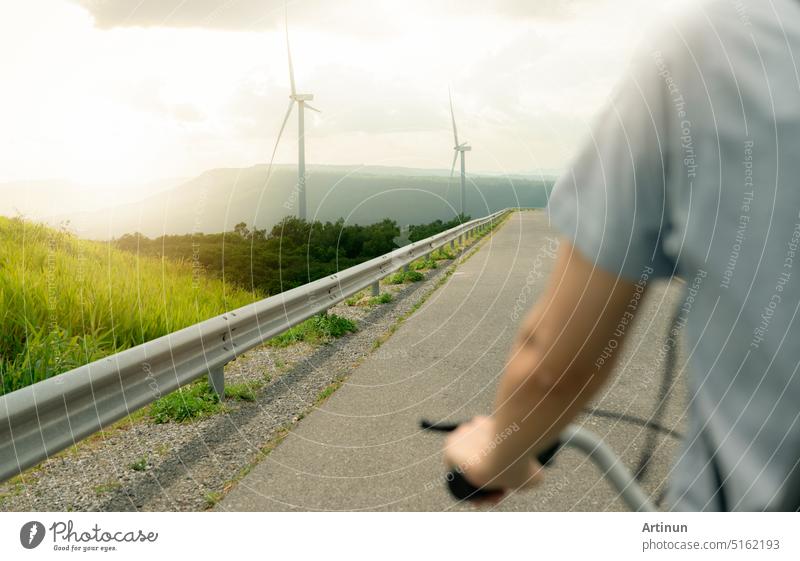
point(584, 440)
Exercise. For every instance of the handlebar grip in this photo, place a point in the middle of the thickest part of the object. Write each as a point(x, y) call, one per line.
point(463, 490)
point(458, 485)
point(546, 456)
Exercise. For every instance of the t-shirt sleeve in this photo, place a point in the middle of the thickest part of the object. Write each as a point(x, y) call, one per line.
point(611, 200)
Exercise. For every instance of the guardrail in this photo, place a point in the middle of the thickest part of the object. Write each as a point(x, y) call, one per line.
point(42, 419)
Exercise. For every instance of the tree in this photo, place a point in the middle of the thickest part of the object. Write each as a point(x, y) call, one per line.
point(242, 230)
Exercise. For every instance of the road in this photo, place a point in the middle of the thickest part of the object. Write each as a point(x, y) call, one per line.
point(362, 449)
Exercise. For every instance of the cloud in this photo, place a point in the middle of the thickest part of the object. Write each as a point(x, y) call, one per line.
point(363, 16)
point(214, 14)
point(527, 9)
point(156, 88)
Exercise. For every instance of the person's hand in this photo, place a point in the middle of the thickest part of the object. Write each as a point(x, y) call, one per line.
point(471, 449)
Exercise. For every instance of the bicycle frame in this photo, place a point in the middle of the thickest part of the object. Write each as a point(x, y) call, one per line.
point(610, 464)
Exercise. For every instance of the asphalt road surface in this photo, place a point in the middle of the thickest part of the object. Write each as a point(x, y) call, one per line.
point(362, 449)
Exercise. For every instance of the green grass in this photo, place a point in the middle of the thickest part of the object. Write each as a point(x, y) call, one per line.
point(265, 451)
point(328, 391)
point(443, 253)
point(211, 499)
point(355, 299)
point(107, 487)
point(383, 298)
point(361, 299)
point(189, 402)
point(424, 264)
point(65, 302)
point(198, 400)
point(140, 464)
point(319, 329)
point(405, 276)
point(15, 488)
point(242, 392)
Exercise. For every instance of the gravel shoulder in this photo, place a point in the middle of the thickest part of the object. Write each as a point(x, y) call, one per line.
point(142, 466)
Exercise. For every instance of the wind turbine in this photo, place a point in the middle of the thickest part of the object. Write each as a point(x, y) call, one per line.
point(302, 104)
point(459, 148)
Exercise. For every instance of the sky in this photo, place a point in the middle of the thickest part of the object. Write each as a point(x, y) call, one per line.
point(133, 91)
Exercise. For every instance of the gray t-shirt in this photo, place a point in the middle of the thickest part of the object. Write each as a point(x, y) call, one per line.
point(693, 168)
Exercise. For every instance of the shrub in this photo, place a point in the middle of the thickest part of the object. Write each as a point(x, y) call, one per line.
point(189, 402)
point(406, 276)
point(318, 329)
point(424, 264)
point(442, 253)
point(242, 392)
point(383, 298)
point(140, 464)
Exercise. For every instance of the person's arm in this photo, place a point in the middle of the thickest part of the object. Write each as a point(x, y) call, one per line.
point(556, 365)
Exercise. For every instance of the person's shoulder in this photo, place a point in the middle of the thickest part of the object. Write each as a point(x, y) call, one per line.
point(701, 16)
point(686, 29)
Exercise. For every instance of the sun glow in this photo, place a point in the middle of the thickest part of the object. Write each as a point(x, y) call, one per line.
point(130, 104)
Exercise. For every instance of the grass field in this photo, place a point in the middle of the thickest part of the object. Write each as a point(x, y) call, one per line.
point(65, 302)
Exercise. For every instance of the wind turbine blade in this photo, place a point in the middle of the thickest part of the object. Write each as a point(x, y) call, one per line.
point(289, 50)
point(453, 167)
point(453, 117)
point(277, 140)
point(312, 108)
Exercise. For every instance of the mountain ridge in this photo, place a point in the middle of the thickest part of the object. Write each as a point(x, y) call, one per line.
point(219, 198)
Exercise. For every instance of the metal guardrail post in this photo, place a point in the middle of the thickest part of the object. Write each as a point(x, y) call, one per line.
point(216, 378)
point(376, 288)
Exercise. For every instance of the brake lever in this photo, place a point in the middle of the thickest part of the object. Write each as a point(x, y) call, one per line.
point(463, 490)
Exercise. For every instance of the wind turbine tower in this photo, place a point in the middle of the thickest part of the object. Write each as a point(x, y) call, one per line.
point(301, 99)
point(459, 148)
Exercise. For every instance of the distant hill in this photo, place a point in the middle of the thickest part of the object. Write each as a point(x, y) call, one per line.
point(44, 198)
point(218, 199)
